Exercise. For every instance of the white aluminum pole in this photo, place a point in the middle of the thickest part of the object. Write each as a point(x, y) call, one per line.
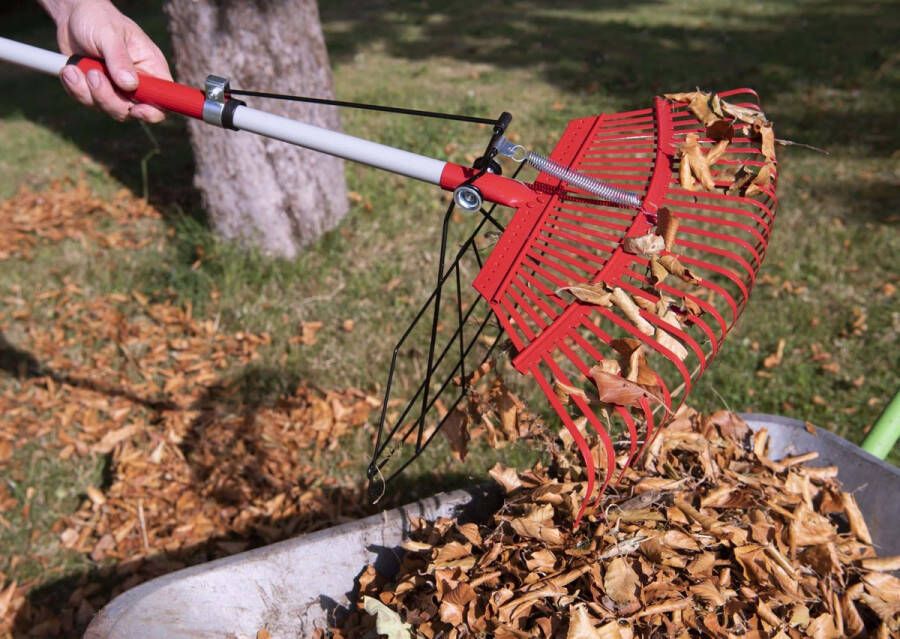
point(342, 145)
point(35, 58)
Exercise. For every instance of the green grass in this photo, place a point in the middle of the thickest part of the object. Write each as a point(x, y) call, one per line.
point(828, 76)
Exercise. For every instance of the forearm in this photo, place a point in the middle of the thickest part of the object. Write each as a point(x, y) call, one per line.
point(58, 9)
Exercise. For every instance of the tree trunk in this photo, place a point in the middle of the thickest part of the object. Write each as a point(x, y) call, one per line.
point(261, 192)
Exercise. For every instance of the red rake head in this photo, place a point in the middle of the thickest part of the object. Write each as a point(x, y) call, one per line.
point(661, 316)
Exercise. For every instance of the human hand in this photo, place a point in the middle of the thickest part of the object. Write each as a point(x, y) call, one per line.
point(96, 28)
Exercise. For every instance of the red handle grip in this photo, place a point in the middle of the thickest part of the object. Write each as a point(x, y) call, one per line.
point(163, 94)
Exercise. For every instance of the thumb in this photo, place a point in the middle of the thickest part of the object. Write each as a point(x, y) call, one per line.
point(118, 61)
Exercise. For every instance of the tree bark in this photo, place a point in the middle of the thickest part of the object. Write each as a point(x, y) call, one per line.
point(261, 192)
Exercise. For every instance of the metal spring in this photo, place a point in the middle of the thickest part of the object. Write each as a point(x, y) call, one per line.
point(604, 191)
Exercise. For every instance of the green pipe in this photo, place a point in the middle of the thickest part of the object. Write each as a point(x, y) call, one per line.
point(886, 431)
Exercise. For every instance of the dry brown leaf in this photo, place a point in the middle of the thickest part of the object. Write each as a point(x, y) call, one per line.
point(685, 175)
point(630, 309)
point(454, 603)
point(822, 627)
point(632, 360)
point(761, 180)
point(670, 341)
point(767, 136)
point(685, 96)
point(672, 264)
point(720, 130)
point(508, 478)
point(693, 154)
point(667, 226)
point(657, 271)
point(882, 564)
point(884, 586)
point(620, 581)
point(613, 389)
point(775, 358)
point(6, 597)
point(581, 626)
point(565, 391)
point(456, 430)
point(808, 528)
point(588, 293)
point(533, 529)
point(308, 332)
point(855, 517)
point(709, 592)
point(644, 245)
point(743, 114)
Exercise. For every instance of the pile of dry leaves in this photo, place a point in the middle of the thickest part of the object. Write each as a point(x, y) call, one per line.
point(200, 464)
point(67, 211)
point(710, 537)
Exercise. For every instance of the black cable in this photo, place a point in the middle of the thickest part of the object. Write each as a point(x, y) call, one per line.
point(369, 107)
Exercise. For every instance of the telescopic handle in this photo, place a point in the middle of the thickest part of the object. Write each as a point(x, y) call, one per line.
point(218, 109)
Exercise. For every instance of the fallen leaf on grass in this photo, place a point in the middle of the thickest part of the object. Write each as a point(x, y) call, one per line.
point(775, 358)
point(308, 332)
point(456, 430)
point(6, 596)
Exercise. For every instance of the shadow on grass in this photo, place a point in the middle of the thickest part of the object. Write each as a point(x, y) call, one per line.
point(229, 458)
point(803, 47)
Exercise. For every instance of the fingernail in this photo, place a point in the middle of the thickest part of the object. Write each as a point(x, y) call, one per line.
point(94, 79)
point(70, 75)
point(126, 79)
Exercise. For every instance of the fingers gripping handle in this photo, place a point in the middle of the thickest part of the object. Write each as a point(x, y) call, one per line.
point(163, 94)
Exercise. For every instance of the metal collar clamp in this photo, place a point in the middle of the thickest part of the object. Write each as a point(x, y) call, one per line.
point(218, 108)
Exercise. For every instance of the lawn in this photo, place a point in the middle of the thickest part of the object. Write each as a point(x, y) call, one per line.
point(828, 74)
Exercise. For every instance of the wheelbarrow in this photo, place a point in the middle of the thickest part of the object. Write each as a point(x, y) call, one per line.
point(295, 586)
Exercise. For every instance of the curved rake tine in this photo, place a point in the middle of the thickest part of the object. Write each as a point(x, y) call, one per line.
point(583, 406)
point(584, 449)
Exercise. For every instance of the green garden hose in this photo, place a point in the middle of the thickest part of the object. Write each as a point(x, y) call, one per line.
point(886, 431)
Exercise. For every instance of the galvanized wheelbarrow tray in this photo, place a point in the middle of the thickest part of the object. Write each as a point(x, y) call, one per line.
point(291, 587)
